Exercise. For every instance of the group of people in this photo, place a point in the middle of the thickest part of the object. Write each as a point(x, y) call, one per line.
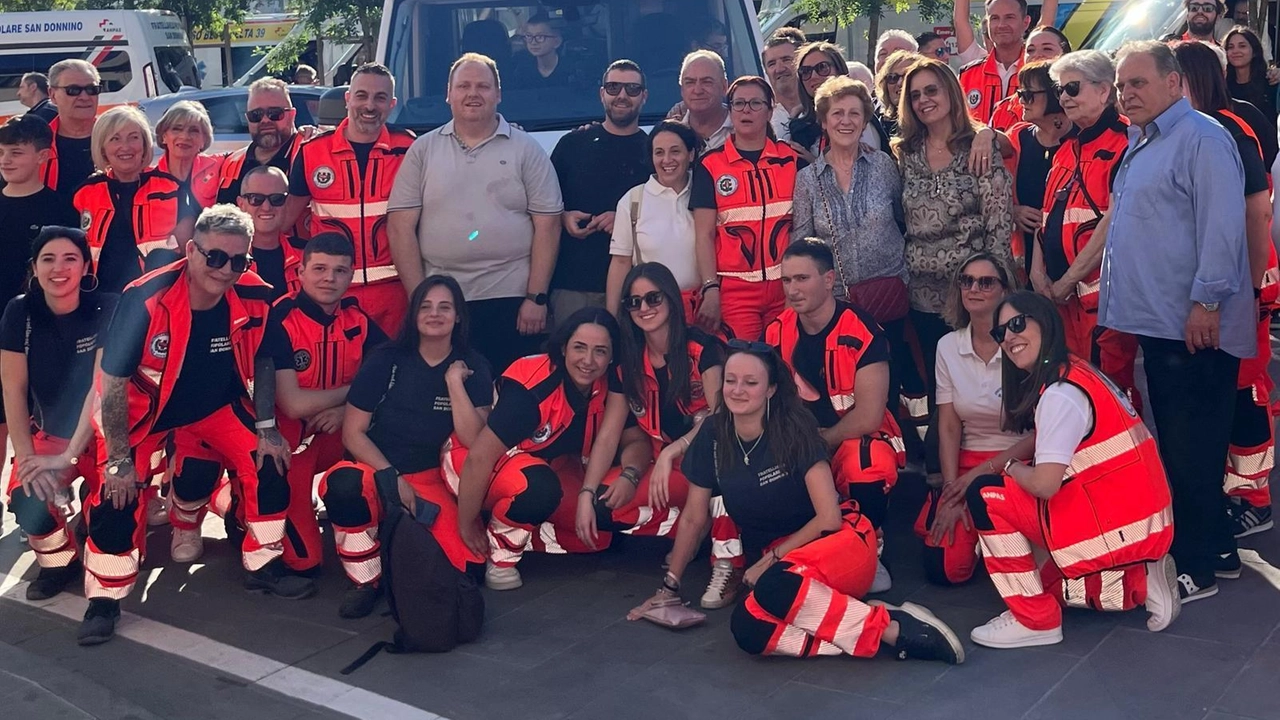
point(527, 348)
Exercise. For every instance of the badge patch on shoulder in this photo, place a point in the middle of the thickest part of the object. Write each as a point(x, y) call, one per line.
point(543, 434)
point(323, 176)
point(974, 97)
point(301, 360)
point(160, 346)
point(726, 185)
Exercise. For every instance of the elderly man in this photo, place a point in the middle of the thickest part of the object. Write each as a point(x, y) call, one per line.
point(1186, 292)
point(479, 200)
point(703, 84)
point(277, 256)
point(275, 140)
point(33, 93)
point(891, 41)
point(779, 59)
point(75, 86)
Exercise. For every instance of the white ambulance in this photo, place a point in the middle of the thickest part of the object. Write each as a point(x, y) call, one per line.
point(139, 53)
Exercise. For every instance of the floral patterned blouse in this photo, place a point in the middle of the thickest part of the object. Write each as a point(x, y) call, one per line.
point(950, 215)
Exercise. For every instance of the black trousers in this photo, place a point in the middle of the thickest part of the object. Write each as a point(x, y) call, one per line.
point(494, 334)
point(1192, 400)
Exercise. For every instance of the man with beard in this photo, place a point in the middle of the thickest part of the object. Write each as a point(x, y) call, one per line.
point(275, 140)
point(345, 176)
point(597, 165)
point(277, 256)
point(779, 58)
point(992, 78)
point(1202, 19)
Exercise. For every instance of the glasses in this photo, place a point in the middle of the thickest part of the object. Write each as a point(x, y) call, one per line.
point(653, 299)
point(271, 113)
point(893, 78)
point(1027, 96)
point(1211, 8)
point(751, 346)
point(75, 90)
point(986, 283)
point(218, 259)
point(256, 199)
point(539, 38)
point(756, 105)
point(632, 89)
point(1072, 88)
point(928, 91)
point(941, 52)
point(1016, 324)
point(824, 69)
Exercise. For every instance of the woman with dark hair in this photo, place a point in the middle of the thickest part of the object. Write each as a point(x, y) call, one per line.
point(813, 556)
point(1044, 44)
point(1205, 86)
point(1035, 141)
point(1247, 71)
point(410, 396)
point(1096, 497)
point(49, 350)
point(525, 466)
point(815, 62)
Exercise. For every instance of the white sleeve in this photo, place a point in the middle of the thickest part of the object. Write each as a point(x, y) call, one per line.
point(622, 243)
point(1063, 417)
point(944, 392)
point(973, 53)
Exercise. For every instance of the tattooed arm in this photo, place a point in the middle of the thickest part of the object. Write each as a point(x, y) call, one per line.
point(270, 442)
point(121, 487)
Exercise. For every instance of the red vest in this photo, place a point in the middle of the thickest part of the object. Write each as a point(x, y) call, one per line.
point(1114, 507)
point(1007, 112)
point(154, 214)
point(753, 209)
point(980, 82)
point(648, 413)
point(539, 376)
point(49, 168)
point(233, 163)
point(206, 175)
point(344, 202)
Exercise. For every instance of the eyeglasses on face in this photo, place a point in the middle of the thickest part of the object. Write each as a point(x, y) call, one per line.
point(1209, 8)
point(1028, 96)
point(986, 283)
point(633, 89)
point(75, 90)
point(755, 105)
point(824, 69)
point(893, 78)
point(538, 38)
point(653, 299)
point(272, 113)
point(929, 91)
point(1015, 324)
point(256, 199)
point(754, 347)
point(1071, 89)
point(218, 259)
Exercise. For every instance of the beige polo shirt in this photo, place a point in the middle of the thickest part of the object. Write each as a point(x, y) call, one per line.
point(477, 206)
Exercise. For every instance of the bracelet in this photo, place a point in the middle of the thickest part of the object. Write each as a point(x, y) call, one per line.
point(631, 475)
point(711, 286)
point(265, 424)
point(991, 465)
point(687, 444)
point(674, 583)
point(1008, 464)
point(587, 490)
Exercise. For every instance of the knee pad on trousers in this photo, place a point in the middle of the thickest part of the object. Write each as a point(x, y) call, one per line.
point(112, 530)
point(751, 633)
point(540, 497)
point(872, 500)
point(978, 506)
point(1251, 426)
point(196, 479)
point(32, 513)
point(344, 498)
point(273, 490)
point(776, 590)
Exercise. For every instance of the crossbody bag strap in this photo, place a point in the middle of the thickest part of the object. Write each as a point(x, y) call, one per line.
point(636, 197)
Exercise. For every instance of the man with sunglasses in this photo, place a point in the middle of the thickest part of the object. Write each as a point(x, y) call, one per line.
point(1202, 19)
point(178, 360)
point(277, 255)
point(74, 87)
point(275, 140)
point(596, 166)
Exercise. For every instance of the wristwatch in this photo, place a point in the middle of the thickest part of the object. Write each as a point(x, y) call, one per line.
point(1209, 307)
point(115, 468)
point(537, 298)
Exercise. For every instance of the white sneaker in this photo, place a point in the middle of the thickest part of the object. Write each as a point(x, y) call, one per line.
point(723, 588)
point(501, 578)
point(186, 546)
point(1163, 602)
point(157, 511)
point(1004, 631)
point(883, 582)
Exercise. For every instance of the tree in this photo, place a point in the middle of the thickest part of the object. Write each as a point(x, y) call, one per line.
point(333, 21)
point(844, 12)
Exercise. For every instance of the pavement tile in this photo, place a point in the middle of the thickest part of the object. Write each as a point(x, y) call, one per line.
point(1255, 692)
point(1244, 612)
point(993, 685)
point(35, 702)
point(21, 622)
point(800, 700)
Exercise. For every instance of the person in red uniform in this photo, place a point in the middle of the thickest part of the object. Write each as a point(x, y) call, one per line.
point(345, 175)
point(277, 253)
point(989, 80)
point(1045, 42)
point(813, 556)
point(1096, 497)
point(839, 358)
point(741, 202)
point(275, 139)
point(74, 87)
point(443, 388)
point(184, 133)
point(526, 466)
point(179, 356)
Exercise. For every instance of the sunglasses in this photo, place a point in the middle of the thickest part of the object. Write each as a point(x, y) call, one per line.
point(256, 199)
point(929, 91)
point(653, 299)
point(271, 113)
point(824, 69)
point(756, 105)
point(893, 78)
point(1016, 324)
point(633, 89)
point(1202, 8)
point(218, 259)
point(1072, 88)
point(941, 52)
point(751, 346)
point(985, 284)
point(1028, 96)
point(75, 90)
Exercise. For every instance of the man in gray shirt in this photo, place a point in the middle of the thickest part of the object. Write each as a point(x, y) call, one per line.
point(1175, 273)
point(479, 200)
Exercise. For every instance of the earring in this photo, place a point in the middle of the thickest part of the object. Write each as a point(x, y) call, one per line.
point(768, 405)
point(91, 286)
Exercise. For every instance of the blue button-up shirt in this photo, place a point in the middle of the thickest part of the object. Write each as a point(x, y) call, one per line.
point(1177, 233)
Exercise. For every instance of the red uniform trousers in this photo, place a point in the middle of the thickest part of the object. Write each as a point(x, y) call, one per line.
point(302, 548)
point(44, 523)
point(950, 564)
point(1251, 454)
point(202, 449)
point(866, 469)
point(1110, 351)
point(1008, 522)
point(808, 604)
point(385, 302)
point(747, 307)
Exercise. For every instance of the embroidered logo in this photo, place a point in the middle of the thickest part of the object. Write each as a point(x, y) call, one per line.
point(542, 435)
point(86, 219)
point(323, 177)
point(726, 185)
point(301, 360)
point(974, 98)
point(160, 346)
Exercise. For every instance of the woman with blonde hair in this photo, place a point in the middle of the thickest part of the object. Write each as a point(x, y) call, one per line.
point(184, 133)
point(889, 88)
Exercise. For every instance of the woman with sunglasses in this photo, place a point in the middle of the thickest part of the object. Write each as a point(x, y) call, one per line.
point(741, 202)
point(1247, 71)
point(1034, 142)
point(812, 556)
point(49, 346)
point(815, 64)
point(1066, 257)
point(1096, 498)
point(184, 133)
point(971, 441)
point(131, 214)
point(889, 89)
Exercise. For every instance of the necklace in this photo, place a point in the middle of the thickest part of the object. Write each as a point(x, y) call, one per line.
point(746, 454)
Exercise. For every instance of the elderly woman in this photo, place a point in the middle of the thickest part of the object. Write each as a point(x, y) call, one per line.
point(184, 133)
point(129, 211)
point(1065, 264)
point(1034, 143)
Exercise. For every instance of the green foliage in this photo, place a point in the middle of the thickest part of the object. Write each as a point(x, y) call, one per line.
point(845, 12)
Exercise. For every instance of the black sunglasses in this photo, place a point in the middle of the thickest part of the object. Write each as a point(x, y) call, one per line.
point(256, 199)
point(1072, 88)
point(1016, 324)
point(824, 69)
point(633, 89)
point(754, 347)
point(272, 113)
point(75, 90)
point(653, 299)
point(893, 78)
point(218, 259)
point(985, 283)
point(1027, 96)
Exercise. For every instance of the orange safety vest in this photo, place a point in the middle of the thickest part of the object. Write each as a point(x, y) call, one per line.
point(843, 349)
point(165, 293)
point(205, 179)
point(1007, 113)
point(345, 202)
point(1079, 189)
point(154, 214)
point(983, 89)
point(49, 168)
point(540, 376)
point(1114, 507)
point(648, 413)
point(753, 209)
point(233, 164)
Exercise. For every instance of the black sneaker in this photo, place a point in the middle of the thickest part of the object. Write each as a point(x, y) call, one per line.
point(52, 581)
point(1190, 591)
point(359, 600)
point(99, 624)
point(275, 579)
point(235, 533)
point(1249, 520)
point(923, 636)
point(1227, 566)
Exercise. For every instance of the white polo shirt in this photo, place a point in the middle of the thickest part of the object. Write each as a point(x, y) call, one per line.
point(664, 231)
point(972, 387)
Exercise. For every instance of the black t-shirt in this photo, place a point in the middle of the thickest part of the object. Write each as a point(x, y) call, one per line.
point(362, 151)
point(1255, 172)
point(1034, 161)
point(280, 160)
point(60, 351)
point(208, 380)
point(118, 264)
point(525, 74)
point(21, 218)
point(75, 164)
point(412, 415)
point(516, 416)
point(675, 423)
point(810, 356)
point(1262, 127)
point(269, 264)
point(1260, 94)
point(767, 502)
point(596, 168)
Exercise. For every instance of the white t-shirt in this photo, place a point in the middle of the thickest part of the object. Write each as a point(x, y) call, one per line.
point(972, 388)
point(1063, 418)
point(664, 231)
point(718, 137)
point(781, 122)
